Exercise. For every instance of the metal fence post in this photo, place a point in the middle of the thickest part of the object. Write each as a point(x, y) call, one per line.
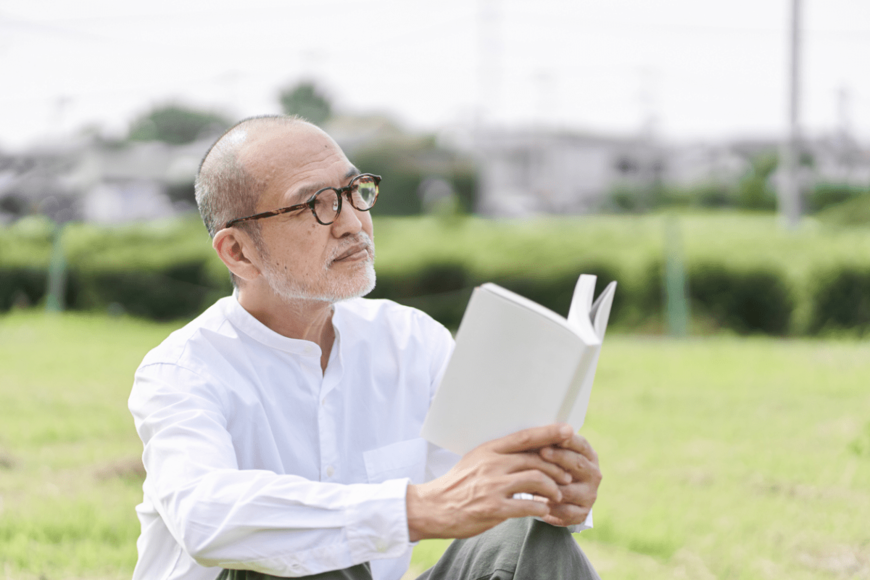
point(676, 303)
point(54, 300)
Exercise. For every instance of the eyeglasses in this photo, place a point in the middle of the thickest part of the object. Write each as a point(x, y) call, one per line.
point(361, 193)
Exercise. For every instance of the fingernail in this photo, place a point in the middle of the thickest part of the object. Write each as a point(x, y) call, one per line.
point(566, 431)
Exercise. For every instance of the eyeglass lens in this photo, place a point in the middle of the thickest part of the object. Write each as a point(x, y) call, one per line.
point(364, 192)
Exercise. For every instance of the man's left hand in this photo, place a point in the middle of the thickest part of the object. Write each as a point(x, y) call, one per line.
point(577, 457)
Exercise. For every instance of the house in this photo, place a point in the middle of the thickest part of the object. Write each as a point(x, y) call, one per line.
point(527, 171)
point(538, 171)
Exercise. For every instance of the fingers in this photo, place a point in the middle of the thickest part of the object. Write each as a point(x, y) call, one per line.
point(526, 461)
point(566, 515)
point(535, 483)
point(533, 438)
point(579, 494)
point(579, 444)
point(577, 464)
point(577, 500)
point(520, 508)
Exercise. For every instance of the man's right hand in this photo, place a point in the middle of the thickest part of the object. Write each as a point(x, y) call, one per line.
point(477, 494)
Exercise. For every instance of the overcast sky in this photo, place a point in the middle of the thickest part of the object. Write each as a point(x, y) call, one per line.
point(690, 69)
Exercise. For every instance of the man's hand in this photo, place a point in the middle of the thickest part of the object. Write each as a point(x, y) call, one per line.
point(578, 458)
point(477, 493)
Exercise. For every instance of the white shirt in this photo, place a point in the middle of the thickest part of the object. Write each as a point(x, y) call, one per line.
point(258, 460)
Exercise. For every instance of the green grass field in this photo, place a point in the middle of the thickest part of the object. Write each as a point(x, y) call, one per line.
point(722, 457)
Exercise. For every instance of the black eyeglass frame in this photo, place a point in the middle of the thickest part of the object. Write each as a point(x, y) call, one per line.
point(339, 191)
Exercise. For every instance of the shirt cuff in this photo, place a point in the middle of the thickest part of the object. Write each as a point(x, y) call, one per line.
point(377, 526)
point(587, 524)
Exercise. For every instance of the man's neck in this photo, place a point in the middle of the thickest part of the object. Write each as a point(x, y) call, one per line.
point(309, 320)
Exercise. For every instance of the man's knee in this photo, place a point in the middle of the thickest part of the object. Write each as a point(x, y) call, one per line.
point(521, 549)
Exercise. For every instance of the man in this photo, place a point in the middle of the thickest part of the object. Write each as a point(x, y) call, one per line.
point(281, 427)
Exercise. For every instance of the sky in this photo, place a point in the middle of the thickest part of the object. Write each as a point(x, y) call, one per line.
point(685, 70)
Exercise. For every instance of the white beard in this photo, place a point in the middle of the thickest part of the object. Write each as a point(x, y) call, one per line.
point(328, 287)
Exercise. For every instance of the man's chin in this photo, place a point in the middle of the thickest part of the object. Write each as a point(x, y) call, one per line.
point(367, 284)
point(360, 284)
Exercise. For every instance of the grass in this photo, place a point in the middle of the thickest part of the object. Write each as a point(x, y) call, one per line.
point(722, 457)
point(69, 474)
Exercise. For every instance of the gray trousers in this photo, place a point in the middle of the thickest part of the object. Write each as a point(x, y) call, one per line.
point(517, 549)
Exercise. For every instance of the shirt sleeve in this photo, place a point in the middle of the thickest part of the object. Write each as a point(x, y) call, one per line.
point(256, 520)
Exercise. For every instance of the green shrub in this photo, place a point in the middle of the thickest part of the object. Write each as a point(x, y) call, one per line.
point(753, 301)
point(21, 285)
point(555, 292)
point(442, 289)
point(715, 195)
point(630, 198)
point(854, 212)
point(176, 291)
point(841, 300)
point(743, 272)
point(825, 195)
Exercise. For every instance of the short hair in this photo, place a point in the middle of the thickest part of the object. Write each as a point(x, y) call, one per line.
point(224, 189)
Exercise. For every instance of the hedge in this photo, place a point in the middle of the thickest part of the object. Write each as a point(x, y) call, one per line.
point(751, 301)
point(841, 300)
point(743, 274)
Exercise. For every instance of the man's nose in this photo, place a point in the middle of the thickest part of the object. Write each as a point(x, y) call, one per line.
point(347, 222)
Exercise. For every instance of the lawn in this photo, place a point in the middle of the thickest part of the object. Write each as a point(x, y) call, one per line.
point(722, 457)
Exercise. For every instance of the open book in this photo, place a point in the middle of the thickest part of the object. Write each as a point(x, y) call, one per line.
point(518, 365)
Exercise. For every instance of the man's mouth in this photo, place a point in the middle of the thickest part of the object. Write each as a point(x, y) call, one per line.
point(354, 253)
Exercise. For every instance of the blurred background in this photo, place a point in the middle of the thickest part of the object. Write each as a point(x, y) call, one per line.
point(713, 158)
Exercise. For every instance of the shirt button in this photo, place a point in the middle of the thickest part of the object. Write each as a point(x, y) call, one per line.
point(323, 401)
point(330, 471)
point(381, 546)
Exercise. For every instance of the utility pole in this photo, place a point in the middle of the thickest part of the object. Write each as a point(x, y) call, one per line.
point(789, 191)
point(651, 164)
point(488, 60)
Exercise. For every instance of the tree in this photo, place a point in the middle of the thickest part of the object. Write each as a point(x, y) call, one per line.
point(305, 100)
point(754, 190)
point(175, 124)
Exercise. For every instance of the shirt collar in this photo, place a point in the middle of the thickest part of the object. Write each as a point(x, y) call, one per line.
point(246, 323)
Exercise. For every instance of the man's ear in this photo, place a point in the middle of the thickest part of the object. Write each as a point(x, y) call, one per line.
point(236, 249)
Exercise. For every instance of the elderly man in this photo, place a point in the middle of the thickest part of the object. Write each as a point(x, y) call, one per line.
point(281, 427)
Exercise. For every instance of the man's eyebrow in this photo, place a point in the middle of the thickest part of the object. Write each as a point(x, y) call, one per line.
point(303, 193)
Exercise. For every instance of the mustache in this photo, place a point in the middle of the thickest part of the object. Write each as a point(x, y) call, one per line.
point(359, 239)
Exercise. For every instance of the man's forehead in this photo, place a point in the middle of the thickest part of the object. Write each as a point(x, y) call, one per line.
point(288, 142)
point(288, 160)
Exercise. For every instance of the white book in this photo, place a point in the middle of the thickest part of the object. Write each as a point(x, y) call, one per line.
point(518, 365)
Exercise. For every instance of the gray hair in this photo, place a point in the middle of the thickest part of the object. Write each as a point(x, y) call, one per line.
point(224, 189)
